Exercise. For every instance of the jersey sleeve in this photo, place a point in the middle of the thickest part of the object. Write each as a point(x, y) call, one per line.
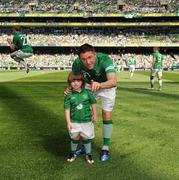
point(67, 102)
point(76, 65)
point(91, 97)
point(108, 65)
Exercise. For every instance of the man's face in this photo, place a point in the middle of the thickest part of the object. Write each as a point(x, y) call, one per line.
point(88, 59)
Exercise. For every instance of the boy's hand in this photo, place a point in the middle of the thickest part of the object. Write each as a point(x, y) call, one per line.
point(69, 127)
point(94, 118)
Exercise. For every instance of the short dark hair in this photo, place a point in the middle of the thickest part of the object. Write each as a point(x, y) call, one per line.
point(85, 48)
point(76, 75)
point(17, 28)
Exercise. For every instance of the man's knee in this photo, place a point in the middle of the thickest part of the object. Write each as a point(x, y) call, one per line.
point(106, 114)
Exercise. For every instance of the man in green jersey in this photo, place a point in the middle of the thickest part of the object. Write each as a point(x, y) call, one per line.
point(20, 47)
point(132, 64)
point(157, 66)
point(80, 113)
point(100, 76)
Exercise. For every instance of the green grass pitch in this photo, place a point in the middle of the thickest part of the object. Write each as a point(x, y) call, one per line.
point(34, 141)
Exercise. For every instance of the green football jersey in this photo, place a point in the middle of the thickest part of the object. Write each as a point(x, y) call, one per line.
point(158, 57)
point(21, 43)
point(132, 61)
point(103, 65)
point(80, 105)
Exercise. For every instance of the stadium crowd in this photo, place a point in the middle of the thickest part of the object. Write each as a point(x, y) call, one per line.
point(87, 6)
point(61, 61)
point(96, 37)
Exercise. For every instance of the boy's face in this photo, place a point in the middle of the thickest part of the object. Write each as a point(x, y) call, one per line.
point(88, 59)
point(76, 85)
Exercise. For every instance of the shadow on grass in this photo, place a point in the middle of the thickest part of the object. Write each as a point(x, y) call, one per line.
point(40, 122)
point(148, 91)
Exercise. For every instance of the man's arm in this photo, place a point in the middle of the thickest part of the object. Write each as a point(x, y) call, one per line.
point(11, 45)
point(111, 82)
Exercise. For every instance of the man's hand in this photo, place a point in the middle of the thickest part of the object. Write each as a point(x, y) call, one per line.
point(67, 91)
point(95, 86)
point(9, 41)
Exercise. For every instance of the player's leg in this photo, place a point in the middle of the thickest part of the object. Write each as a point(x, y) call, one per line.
point(75, 138)
point(14, 56)
point(87, 134)
point(107, 133)
point(73, 144)
point(87, 146)
point(24, 55)
point(108, 101)
point(152, 75)
point(159, 74)
point(19, 57)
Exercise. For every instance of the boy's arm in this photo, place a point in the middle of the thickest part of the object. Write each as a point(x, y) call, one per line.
point(68, 120)
point(94, 111)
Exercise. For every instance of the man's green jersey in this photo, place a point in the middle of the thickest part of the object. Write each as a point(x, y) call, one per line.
point(21, 43)
point(102, 66)
point(158, 57)
point(80, 105)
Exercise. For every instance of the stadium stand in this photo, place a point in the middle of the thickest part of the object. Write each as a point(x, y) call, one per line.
point(57, 30)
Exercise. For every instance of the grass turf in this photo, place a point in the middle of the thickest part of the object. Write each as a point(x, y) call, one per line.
point(34, 141)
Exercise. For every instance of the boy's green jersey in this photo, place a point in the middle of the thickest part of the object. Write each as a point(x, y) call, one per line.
point(80, 105)
point(21, 43)
point(103, 65)
point(158, 57)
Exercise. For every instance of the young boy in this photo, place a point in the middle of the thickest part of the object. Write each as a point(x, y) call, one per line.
point(80, 113)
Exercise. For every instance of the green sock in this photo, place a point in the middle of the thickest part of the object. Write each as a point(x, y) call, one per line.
point(107, 132)
point(87, 145)
point(74, 144)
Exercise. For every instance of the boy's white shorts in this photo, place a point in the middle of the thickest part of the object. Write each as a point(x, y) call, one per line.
point(85, 130)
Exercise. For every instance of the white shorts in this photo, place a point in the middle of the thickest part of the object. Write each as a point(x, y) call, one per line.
point(21, 54)
point(157, 72)
point(132, 68)
point(108, 97)
point(85, 130)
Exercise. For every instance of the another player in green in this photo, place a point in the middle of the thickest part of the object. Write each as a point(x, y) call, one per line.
point(100, 76)
point(20, 47)
point(157, 67)
point(132, 64)
point(80, 113)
